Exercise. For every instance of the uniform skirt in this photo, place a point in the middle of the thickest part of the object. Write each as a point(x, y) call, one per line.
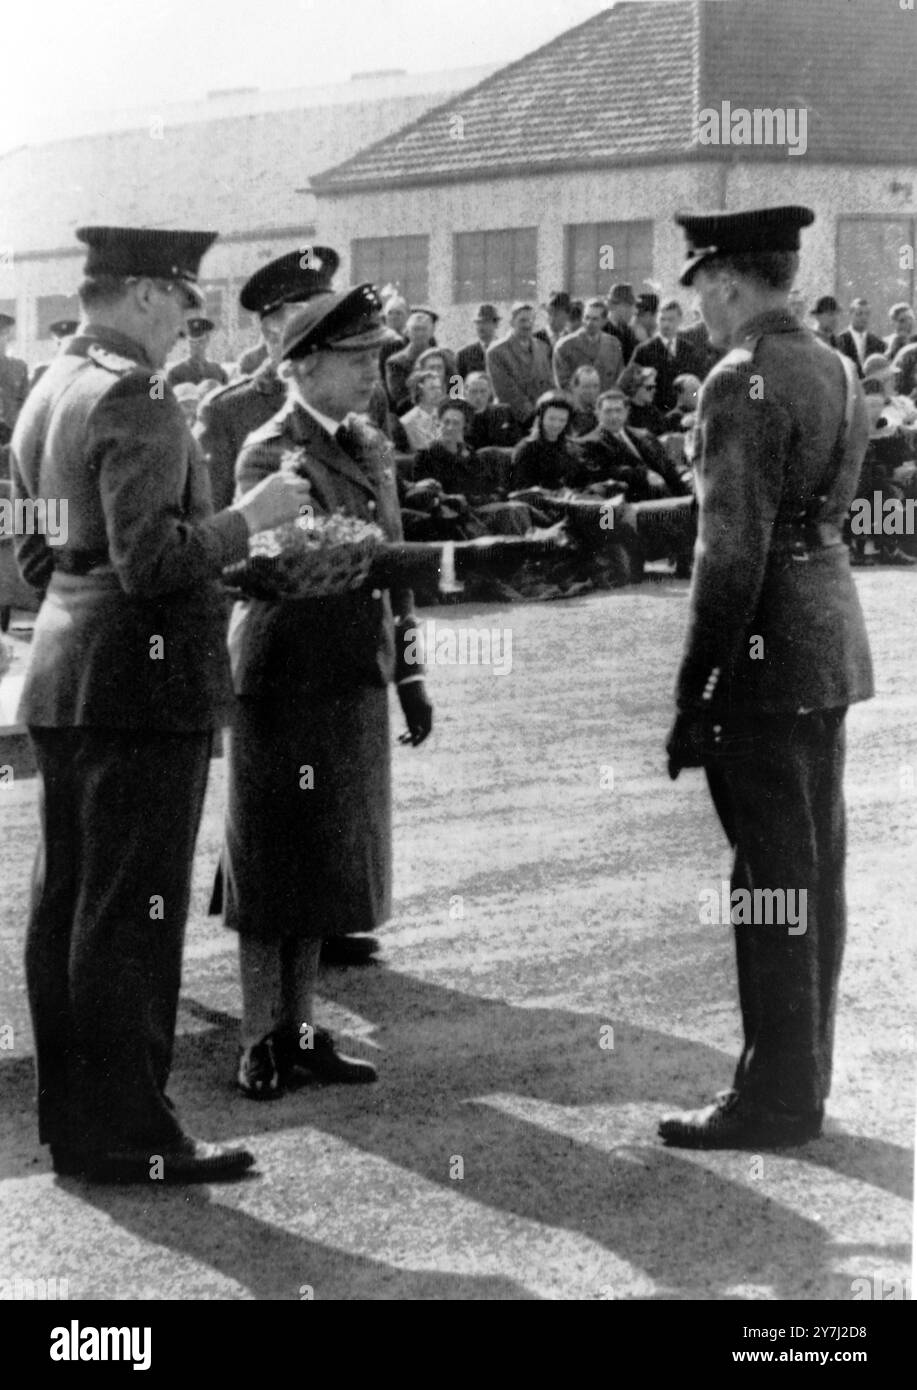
point(308, 847)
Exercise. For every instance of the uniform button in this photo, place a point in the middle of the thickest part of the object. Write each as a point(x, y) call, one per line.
point(371, 506)
point(377, 593)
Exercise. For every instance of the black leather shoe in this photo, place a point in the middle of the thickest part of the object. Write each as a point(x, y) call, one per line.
point(322, 1060)
point(349, 950)
point(732, 1122)
point(258, 1077)
point(193, 1161)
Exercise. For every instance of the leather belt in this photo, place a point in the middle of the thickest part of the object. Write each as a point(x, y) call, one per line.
point(800, 538)
point(80, 561)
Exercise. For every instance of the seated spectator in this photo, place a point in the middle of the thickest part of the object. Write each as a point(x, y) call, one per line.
point(560, 322)
point(826, 314)
point(681, 416)
point(440, 360)
point(420, 423)
point(547, 458)
point(490, 426)
point(400, 365)
point(617, 452)
point(585, 389)
point(186, 393)
point(472, 357)
point(478, 480)
point(639, 386)
point(669, 353)
point(886, 477)
point(589, 346)
point(902, 321)
point(880, 377)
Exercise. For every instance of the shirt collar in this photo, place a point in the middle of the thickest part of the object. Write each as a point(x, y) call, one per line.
point(328, 425)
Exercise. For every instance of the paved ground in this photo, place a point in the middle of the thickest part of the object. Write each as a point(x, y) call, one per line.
point(547, 889)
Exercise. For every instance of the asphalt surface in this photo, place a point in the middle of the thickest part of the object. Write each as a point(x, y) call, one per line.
point(546, 991)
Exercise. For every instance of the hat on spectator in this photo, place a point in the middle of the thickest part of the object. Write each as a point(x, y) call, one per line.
point(146, 252)
point(487, 314)
point(826, 305)
point(559, 300)
point(290, 279)
point(425, 309)
point(647, 303)
point(622, 293)
point(346, 321)
point(713, 234)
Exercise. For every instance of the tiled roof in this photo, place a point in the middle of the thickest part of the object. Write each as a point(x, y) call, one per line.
point(240, 174)
point(629, 85)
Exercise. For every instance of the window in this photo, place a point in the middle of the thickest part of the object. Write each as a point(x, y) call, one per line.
point(8, 306)
point(402, 261)
point(870, 253)
point(490, 267)
point(52, 307)
point(598, 254)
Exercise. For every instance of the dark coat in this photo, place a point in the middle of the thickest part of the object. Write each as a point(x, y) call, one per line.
point(655, 353)
point(97, 432)
point(471, 358)
point(519, 377)
point(577, 349)
point(311, 677)
point(761, 458)
point(225, 420)
point(604, 456)
point(492, 428)
point(626, 337)
point(538, 463)
point(847, 346)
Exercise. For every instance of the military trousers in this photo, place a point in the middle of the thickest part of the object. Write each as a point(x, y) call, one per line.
point(120, 813)
point(778, 791)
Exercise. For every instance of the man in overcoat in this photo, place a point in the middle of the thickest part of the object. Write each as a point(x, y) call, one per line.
point(127, 680)
point(519, 366)
point(308, 832)
point(776, 651)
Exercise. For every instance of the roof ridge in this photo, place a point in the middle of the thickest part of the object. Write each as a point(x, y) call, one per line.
point(501, 74)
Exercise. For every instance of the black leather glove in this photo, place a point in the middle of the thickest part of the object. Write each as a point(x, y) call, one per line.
point(417, 710)
point(688, 744)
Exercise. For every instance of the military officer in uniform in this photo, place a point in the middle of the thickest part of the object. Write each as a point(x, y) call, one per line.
point(776, 650)
point(14, 375)
point(127, 680)
point(304, 862)
point(197, 366)
point(228, 416)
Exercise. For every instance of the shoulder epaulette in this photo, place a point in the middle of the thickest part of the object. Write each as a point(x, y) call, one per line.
point(111, 361)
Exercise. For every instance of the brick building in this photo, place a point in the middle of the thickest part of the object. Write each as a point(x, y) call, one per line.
point(563, 169)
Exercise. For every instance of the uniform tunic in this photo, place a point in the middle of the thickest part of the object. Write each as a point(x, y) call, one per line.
point(128, 677)
point(311, 676)
point(225, 420)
